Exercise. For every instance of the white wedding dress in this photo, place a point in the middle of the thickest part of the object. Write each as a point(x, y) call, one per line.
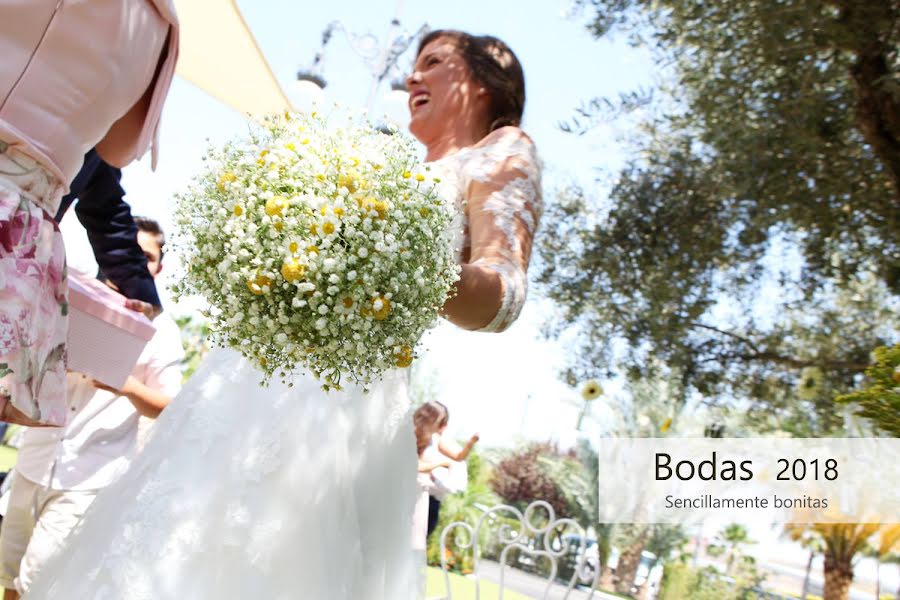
point(280, 493)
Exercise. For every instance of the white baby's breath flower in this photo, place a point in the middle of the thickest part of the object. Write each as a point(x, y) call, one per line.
point(304, 265)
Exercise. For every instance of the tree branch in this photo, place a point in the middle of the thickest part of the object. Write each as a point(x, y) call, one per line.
point(796, 363)
point(759, 355)
point(740, 338)
point(877, 104)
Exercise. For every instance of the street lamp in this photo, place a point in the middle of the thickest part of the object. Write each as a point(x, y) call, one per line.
point(380, 58)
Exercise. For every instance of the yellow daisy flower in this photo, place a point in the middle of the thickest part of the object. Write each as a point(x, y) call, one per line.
point(257, 284)
point(275, 206)
point(225, 178)
point(292, 270)
point(403, 357)
point(381, 308)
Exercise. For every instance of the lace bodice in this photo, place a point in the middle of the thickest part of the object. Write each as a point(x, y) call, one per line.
point(496, 187)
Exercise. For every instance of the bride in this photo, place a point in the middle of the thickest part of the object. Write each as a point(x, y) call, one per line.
point(287, 492)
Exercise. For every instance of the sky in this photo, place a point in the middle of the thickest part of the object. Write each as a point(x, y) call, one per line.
point(504, 386)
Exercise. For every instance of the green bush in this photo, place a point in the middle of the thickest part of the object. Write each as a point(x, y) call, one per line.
point(681, 582)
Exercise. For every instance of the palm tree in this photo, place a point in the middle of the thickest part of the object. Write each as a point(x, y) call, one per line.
point(894, 558)
point(664, 541)
point(812, 542)
point(889, 540)
point(630, 558)
point(843, 542)
point(733, 538)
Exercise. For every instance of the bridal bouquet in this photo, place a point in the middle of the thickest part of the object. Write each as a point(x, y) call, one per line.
point(318, 244)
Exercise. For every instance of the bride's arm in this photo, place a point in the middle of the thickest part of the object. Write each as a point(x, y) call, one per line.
point(503, 205)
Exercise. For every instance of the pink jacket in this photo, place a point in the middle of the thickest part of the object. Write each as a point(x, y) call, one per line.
point(71, 68)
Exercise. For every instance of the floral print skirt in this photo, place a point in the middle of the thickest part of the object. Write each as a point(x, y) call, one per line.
point(33, 298)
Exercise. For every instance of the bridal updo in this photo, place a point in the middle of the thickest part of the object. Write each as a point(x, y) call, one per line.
point(494, 65)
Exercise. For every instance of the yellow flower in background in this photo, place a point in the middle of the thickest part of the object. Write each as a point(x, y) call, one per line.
point(292, 270)
point(419, 177)
point(238, 210)
point(406, 174)
point(279, 225)
point(290, 146)
point(348, 302)
point(666, 425)
point(292, 248)
point(224, 179)
point(328, 228)
point(312, 249)
point(275, 206)
point(257, 284)
point(404, 357)
point(591, 390)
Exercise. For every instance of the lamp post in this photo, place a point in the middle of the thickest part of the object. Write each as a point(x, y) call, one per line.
point(381, 58)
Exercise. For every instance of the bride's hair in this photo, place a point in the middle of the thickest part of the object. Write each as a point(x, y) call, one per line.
point(427, 419)
point(496, 67)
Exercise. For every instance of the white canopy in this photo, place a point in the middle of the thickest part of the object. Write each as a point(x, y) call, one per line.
point(219, 55)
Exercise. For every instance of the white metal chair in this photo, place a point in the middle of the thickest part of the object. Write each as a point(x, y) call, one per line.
point(513, 530)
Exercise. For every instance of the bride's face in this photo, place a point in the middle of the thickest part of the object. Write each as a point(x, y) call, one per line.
point(441, 88)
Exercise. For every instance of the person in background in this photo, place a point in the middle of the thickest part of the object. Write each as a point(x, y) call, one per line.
point(74, 76)
point(61, 470)
point(431, 420)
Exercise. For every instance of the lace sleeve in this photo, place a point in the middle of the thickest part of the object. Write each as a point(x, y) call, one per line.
point(504, 205)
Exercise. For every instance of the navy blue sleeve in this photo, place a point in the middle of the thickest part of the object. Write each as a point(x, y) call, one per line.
point(106, 217)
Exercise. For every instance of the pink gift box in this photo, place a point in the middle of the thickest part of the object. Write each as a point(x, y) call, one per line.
point(105, 338)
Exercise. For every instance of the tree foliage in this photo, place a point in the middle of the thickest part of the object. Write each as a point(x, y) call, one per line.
point(528, 475)
point(879, 400)
point(755, 230)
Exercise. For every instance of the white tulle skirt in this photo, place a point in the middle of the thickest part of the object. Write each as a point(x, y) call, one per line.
point(243, 492)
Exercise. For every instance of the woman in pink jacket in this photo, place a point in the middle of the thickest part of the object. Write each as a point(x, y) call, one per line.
point(74, 75)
